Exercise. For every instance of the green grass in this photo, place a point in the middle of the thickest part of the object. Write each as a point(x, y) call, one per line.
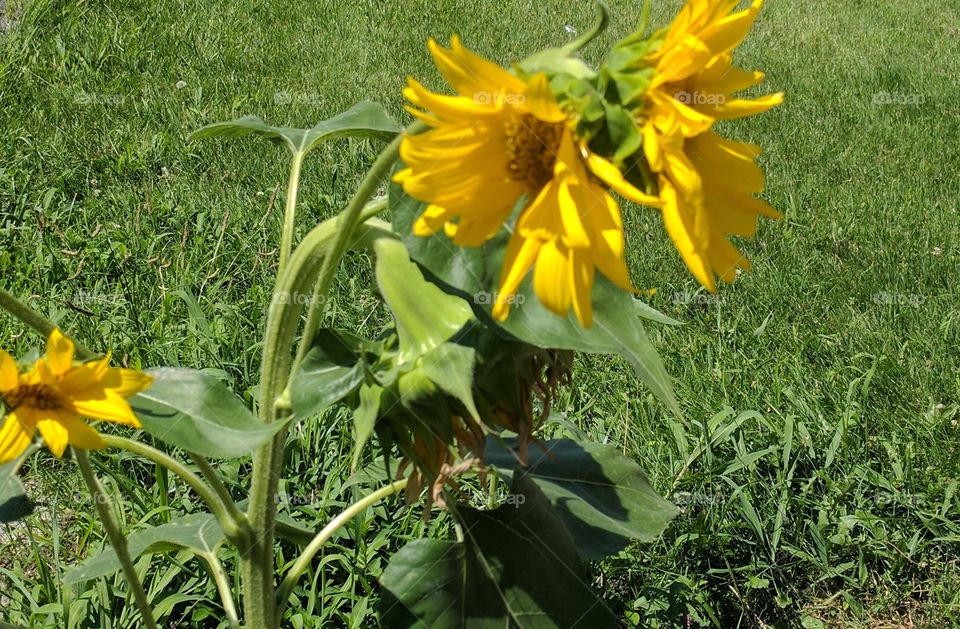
point(835, 502)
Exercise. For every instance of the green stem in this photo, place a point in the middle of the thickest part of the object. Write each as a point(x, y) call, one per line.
point(318, 303)
point(290, 212)
point(306, 557)
point(232, 521)
point(117, 540)
point(34, 320)
point(600, 22)
point(234, 512)
point(223, 588)
point(311, 268)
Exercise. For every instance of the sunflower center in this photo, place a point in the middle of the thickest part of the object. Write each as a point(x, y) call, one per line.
point(39, 396)
point(532, 146)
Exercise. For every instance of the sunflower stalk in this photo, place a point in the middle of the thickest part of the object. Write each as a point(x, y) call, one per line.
point(310, 271)
point(104, 507)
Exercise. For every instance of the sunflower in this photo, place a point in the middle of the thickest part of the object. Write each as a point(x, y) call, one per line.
point(502, 139)
point(55, 392)
point(707, 184)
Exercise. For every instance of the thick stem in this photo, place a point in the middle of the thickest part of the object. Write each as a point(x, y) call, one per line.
point(290, 213)
point(312, 267)
point(34, 320)
point(303, 561)
point(117, 540)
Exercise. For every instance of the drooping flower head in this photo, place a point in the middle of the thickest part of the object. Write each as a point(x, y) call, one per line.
point(53, 395)
point(707, 184)
point(500, 139)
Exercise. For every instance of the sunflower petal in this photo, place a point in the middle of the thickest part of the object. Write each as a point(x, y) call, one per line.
point(111, 408)
point(9, 374)
point(60, 351)
point(15, 435)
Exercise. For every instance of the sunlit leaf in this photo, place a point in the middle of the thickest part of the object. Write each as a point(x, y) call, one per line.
point(193, 410)
point(426, 316)
point(365, 119)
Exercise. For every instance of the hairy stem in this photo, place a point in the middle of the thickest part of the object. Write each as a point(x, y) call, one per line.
point(119, 543)
point(290, 212)
point(310, 271)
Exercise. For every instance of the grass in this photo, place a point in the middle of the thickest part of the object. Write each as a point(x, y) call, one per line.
point(818, 466)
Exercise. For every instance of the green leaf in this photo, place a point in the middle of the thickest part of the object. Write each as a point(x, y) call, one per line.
point(14, 504)
point(474, 272)
point(199, 533)
point(425, 315)
point(450, 367)
point(365, 119)
point(365, 419)
point(603, 497)
point(516, 567)
point(193, 410)
point(332, 370)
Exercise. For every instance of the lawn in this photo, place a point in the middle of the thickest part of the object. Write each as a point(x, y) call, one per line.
point(817, 466)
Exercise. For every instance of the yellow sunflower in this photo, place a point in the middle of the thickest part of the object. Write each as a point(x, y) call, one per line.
point(500, 139)
point(53, 395)
point(707, 184)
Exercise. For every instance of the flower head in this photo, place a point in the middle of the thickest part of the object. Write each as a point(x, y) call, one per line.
point(53, 395)
point(707, 184)
point(501, 139)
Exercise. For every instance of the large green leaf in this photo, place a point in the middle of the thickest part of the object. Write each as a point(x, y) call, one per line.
point(332, 370)
point(474, 273)
point(14, 504)
point(603, 497)
point(450, 367)
point(425, 315)
point(364, 119)
point(516, 567)
point(193, 410)
point(199, 533)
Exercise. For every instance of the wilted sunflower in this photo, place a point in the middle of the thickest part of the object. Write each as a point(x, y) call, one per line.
point(53, 395)
point(500, 139)
point(707, 184)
